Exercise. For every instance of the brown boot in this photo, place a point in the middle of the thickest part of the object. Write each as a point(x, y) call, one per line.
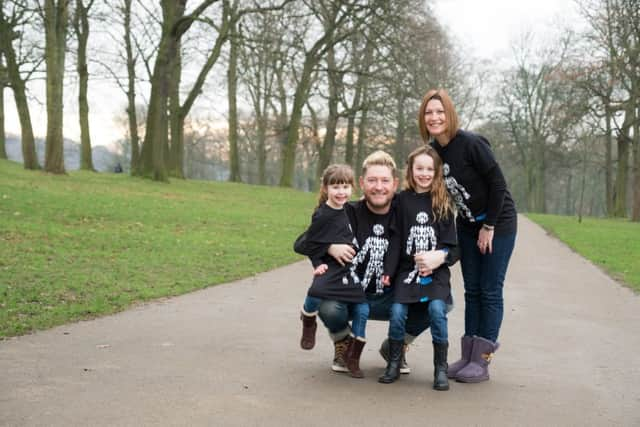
point(353, 357)
point(309, 326)
point(340, 355)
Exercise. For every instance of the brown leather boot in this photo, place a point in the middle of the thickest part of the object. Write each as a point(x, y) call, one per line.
point(340, 355)
point(353, 356)
point(309, 326)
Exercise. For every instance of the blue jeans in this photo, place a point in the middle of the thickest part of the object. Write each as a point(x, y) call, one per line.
point(336, 315)
point(483, 282)
point(359, 313)
point(437, 312)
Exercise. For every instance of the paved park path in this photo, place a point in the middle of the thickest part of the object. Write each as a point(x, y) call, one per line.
point(229, 356)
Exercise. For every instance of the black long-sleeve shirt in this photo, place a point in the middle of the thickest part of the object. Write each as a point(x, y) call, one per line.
point(329, 226)
point(476, 184)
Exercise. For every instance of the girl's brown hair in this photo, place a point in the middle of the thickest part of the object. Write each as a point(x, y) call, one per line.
point(440, 200)
point(335, 174)
point(449, 112)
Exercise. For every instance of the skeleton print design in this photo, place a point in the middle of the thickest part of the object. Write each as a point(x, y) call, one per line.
point(458, 193)
point(376, 246)
point(424, 238)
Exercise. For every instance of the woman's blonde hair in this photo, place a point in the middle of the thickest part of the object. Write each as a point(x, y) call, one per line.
point(335, 174)
point(440, 200)
point(449, 112)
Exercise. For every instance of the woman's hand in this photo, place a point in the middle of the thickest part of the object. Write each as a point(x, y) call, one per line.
point(485, 241)
point(343, 253)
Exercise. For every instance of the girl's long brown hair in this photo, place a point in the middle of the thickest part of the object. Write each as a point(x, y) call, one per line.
point(440, 200)
point(335, 174)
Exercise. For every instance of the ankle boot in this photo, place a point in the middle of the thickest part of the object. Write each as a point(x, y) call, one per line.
point(477, 369)
point(466, 344)
point(353, 356)
point(440, 380)
point(384, 352)
point(340, 354)
point(392, 372)
point(309, 326)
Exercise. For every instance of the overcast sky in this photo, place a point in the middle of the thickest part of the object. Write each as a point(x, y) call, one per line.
point(484, 29)
point(487, 28)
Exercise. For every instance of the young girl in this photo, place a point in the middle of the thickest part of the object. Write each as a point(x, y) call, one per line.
point(428, 234)
point(332, 281)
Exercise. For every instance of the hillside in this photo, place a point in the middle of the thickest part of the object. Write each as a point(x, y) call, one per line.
point(86, 244)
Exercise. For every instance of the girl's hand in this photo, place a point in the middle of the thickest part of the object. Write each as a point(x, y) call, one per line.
point(485, 241)
point(386, 280)
point(429, 260)
point(320, 270)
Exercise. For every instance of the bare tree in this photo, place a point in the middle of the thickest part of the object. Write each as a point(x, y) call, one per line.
point(81, 29)
point(14, 19)
point(4, 81)
point(55, 15)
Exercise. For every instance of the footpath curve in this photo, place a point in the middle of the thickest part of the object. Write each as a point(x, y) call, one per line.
point(229, 356)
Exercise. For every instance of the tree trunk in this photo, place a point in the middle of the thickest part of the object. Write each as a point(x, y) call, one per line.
point(152, 157)
point(3, 137)
point(635, 211)
point(29, 156)
point(262, 154)
point(362, 137)
point(131, 91)
point(401, 117)
point(81, 24)
point(622, 176)
point(326, 150)
point(299, 99)
point(175, 158)
point(56, 14)
point(608, 162)
point(232, 89)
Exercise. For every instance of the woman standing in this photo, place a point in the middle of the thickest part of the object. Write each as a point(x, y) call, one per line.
point(486, 226)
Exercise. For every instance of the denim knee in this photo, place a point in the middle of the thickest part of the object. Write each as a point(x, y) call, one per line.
point(334, 315)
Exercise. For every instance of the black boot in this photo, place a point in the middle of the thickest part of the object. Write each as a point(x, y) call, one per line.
point(440, 380)
point(392, 372)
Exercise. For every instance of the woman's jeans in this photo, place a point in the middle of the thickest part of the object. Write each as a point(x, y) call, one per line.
point(483, 282)
point(437, 312)
point(336, 315)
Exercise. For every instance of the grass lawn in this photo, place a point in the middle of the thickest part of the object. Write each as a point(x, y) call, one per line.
point(613, 244)
point(87, 244)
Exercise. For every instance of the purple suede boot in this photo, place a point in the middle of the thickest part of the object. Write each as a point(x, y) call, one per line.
point(477, 370)
point(466, 344)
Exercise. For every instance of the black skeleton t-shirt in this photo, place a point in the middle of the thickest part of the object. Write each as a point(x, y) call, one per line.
point(419, 231)
point(476, 184)
point(338, 283)
point(373, 233)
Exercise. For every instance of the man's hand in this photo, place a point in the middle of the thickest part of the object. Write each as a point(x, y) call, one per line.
point(343, 253)
point(320, 270)
point(428, 261)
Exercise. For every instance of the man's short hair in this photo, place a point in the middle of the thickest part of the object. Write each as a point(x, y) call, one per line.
point(379, 158)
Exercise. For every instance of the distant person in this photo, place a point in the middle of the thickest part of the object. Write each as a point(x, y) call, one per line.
point(426, 230)
point(117, 168)
point(486, 225)
point(333, 280)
